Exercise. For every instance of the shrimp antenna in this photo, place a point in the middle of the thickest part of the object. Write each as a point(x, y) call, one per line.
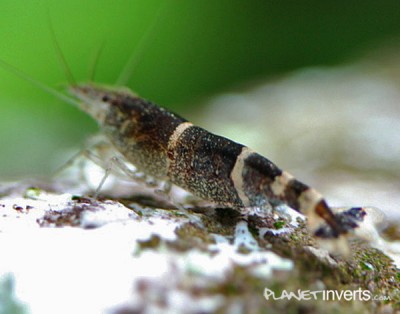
point(60, 55)
point(38, 84)
point(95, 62)
point(144, 42)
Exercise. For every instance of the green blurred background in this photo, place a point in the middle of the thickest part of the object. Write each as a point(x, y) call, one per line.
point(196, 49)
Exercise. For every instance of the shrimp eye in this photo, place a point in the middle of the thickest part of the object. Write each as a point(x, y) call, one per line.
point(105, 98)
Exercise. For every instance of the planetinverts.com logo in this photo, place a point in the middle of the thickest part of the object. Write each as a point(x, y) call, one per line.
point(325, 295)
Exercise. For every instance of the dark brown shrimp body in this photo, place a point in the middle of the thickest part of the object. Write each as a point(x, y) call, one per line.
point(168, 147)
